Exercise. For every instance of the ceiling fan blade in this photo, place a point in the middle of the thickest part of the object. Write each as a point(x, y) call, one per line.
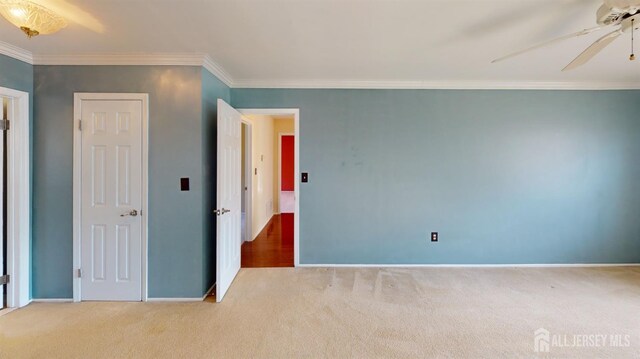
point(593, 50)
point(550, 42)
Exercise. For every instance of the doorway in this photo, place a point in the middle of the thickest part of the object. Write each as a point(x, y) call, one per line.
point(15, 198)
point(270, 239)
point(110, 196)
point(246, 178)
point(229, 187)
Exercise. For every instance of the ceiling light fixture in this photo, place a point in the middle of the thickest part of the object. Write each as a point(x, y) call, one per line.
point(617, 15)
point(31, 18)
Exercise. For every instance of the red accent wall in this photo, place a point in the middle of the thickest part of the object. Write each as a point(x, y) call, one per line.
point(287, 166)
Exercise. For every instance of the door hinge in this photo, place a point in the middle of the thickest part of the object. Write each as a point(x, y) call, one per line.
point(80, 125)
point(79, 272)
point(4, 125)
point(5, 279)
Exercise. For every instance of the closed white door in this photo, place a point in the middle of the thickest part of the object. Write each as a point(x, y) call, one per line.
point(228, 229)
point(111, 205)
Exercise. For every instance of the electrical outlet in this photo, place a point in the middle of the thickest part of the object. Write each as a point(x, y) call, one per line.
point(434, 236)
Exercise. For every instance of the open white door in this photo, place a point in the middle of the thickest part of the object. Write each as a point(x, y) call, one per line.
point(228, 229)
point(18, 209)
point(3, 279)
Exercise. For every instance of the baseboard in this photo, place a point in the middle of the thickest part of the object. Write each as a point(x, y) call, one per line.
point(558, 265)
point(174, 299)
point(70, 300)
point(263, 227)
point(7, 311)
point(208, 292)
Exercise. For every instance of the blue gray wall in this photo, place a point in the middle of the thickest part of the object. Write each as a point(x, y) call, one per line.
point(18, 75)
point(503, 176)
point(212, 90)
point(176, 230)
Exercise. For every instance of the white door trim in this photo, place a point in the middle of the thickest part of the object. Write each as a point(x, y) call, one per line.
point(280, 134)
point(248, 164)
point(296, 120)
point(18, 200)
point(77, 181)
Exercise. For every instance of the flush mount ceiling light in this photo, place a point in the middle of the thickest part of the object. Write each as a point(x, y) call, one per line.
point(31, 18)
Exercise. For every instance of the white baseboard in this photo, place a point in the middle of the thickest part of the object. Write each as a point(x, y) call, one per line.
point(558, 265)
point(262, 228)
point(7, 311)
point(174, 299)
point(208, 292)
point(70, 300)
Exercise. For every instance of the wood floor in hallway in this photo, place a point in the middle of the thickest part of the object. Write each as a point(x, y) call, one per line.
point(274, 245)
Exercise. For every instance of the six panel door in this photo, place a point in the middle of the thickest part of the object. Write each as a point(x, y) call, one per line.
point(111, 228)
point(228, 236)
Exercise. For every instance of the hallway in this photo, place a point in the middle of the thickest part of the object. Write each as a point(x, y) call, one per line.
point(274, 245)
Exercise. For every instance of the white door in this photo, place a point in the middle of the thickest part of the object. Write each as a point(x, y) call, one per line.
point(228, 198)
point(111, 229)
point(5, 116)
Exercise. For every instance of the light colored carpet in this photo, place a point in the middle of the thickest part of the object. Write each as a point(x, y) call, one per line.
point(339, 313)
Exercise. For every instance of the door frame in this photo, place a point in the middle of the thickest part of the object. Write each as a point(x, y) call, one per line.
point(77, 183)
point(280, 134)
point(296, 120)
point(248, 203)
point(18, 199)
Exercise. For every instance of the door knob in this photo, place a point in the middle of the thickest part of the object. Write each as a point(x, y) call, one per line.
point(132, 213)
point(222, 211)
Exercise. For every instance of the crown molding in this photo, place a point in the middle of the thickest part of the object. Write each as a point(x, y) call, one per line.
point(217, 70)
point(16, 52)
point(205, 61)
point(437, 85)
point(141, 59)
point(121, 59)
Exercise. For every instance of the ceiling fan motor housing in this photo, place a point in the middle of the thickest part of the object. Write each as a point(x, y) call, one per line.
point(629, 23)
point(608, 15)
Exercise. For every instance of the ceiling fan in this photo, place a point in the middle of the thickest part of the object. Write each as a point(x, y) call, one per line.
point(621, 15)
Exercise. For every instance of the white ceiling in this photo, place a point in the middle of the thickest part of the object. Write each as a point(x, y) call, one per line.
point(263, 42)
